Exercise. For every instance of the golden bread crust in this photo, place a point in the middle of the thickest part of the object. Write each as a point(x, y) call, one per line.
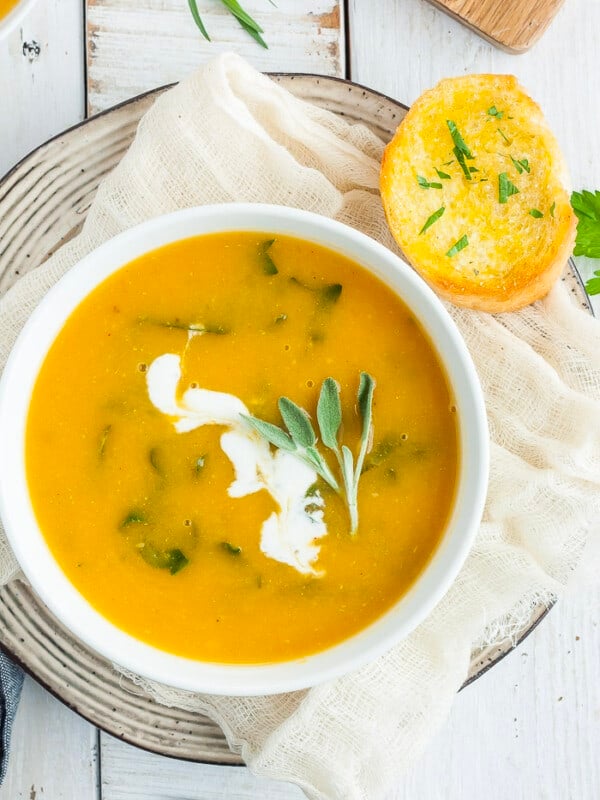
point(513, 256)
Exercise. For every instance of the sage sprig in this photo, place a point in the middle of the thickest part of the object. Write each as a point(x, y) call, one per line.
point(329, 414)
point(301, 440)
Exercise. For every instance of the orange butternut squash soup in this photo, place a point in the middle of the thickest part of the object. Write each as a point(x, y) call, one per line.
point(6, 6)
point(151, 471)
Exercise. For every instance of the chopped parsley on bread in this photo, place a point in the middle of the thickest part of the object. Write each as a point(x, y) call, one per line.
point(474, 188)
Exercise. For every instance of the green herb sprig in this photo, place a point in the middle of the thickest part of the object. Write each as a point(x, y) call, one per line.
point(461, 151)
point(195, 328)
point(431, 219)
point(172, 560)
point(301, 440)
point(245, 20)
point(268, 265)
point(458, 246)
point(592, 285)
point(458, 140)
point(425, 184)
point(506, 188)
point(586, 206)
point(521, 164)
point(493, 112)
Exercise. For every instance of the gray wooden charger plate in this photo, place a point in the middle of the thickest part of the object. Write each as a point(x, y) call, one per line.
point(43, 203)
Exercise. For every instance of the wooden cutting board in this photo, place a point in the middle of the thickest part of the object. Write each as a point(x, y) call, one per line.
point(514, 25)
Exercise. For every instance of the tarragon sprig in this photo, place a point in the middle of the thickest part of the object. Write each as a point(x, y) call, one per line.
point(245, 20)
point(301, 439)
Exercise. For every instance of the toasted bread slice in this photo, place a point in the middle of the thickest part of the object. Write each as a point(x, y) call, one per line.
point(507, 229)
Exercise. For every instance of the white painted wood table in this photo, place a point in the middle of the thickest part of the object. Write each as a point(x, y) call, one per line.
point(530, 728)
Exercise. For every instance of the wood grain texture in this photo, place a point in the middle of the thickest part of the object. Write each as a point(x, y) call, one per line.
point(509, 735)
point(41, 90)
point(55, 752)
point(530, 728)
point(136, 45)
point(132, 774)
point(514, 25)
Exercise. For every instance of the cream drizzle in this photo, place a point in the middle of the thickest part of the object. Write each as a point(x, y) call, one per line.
point(289, 535)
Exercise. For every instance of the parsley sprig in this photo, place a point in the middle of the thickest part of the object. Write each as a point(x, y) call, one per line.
point(506, 188)
point(586, 206)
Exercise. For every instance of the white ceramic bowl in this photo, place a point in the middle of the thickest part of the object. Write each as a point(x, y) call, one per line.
point(77, 614)
point(14, 17)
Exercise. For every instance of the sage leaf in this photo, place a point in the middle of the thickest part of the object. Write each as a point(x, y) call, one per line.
point(351, 484)
point(365, 402)
point(348, 465)
point(271, 433)
point(329, 413)
point(302, 439)
point(315, 459)
point(297, 422)
point(365, 407)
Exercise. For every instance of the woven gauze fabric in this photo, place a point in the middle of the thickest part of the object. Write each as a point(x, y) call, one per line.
point(228, 134)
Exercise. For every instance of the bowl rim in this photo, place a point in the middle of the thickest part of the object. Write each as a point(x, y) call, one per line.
point(52, 585)
point(15, 17)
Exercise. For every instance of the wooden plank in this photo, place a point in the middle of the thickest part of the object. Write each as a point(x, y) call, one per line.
point(515, 25)
point(132, 774)
point(529, 727)
point(41, 78)
point(54, 753)
point(136, 45)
